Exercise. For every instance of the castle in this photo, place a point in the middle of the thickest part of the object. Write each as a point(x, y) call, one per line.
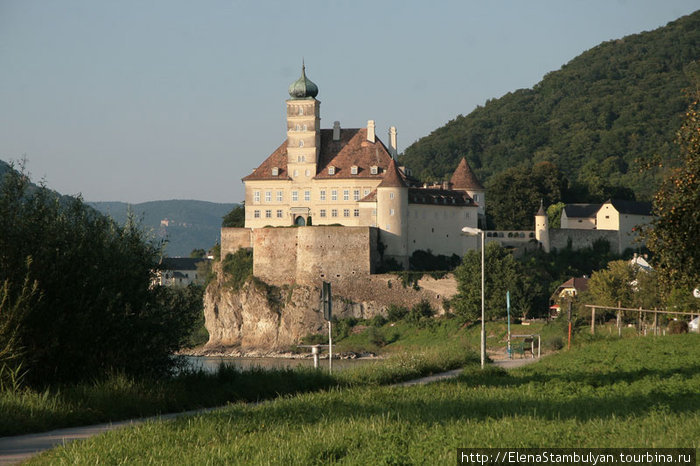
point(348, 177)
point(354, 206)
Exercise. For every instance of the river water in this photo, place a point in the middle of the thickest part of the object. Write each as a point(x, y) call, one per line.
point(211, 363)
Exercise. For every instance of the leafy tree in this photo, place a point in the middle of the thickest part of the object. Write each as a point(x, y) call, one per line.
point(554, 214)
point(675, 233)
point(81, 289)
point(198, 253)
point(503, 273)
point(235, 218)
point(612, 285)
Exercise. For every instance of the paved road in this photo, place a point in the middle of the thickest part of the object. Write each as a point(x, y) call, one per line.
point(21, 447)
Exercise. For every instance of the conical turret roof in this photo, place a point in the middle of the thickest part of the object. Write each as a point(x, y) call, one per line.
point(464, 177)
point(392, 177)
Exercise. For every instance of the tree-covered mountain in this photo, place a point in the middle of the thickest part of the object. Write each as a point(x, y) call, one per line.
point(598, 119)
point(185, 224)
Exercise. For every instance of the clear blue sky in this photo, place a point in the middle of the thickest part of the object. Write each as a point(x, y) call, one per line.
point(170, 99)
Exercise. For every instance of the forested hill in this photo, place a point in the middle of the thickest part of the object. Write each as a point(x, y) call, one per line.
point(594, 118)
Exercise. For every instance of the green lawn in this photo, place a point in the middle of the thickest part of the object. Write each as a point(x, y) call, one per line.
point(634, 392)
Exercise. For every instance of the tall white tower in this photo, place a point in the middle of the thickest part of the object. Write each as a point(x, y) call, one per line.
point(392, 215)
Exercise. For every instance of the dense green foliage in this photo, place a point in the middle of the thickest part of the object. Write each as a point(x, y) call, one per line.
point(76, 291)
point(235, 218)
point(503, 273)
point(237, 268)
point(675, 233)
point(595, 118)
point(640, 392)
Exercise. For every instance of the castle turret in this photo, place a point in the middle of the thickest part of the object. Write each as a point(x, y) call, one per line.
point(464, 179)
point(392, 214)
point(542, 228)
point(303, 128)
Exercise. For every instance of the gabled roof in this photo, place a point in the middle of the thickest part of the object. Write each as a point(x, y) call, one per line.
point(277, 159)
point(631, 207)
point(392, 177)
point(579, 283)
point(353, 149)
point(464, 177)
point(581, 210)
point(180, 263)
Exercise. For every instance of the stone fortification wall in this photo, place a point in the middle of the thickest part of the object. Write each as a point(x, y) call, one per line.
point(234, 238)
point(310, 255)
point(559, 238)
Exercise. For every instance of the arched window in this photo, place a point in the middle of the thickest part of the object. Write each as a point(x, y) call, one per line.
point(301, 143)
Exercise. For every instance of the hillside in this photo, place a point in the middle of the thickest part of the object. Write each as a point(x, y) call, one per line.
point(596, 118)
point(186, 224)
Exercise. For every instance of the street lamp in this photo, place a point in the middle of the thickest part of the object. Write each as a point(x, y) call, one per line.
point(471, 231)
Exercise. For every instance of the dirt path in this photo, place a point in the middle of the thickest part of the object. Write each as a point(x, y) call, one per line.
point(19, 448)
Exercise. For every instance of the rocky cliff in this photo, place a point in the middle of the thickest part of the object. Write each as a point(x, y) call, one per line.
point(260, 319)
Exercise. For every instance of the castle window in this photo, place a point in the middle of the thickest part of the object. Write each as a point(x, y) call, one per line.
point(346, 212)
point(353, 170)
point(373, 170)
point(301, 110)
point(334, 212)
point(356, 213)
point(346, 194)
point(391, 195)
point(256, 197)
point(334, 195)
point(366, 192)
point(298, 128)
point(301, 158)
point(356, 194)
point(296, 173)
point(268, 214)
point(279, 213)
point(476, 198)
point(279, 196)
point(307, 195)
point(268, 196)
point(295, 196)
point(301, 143)
point(323, 213)
point(466, 215)
point(331, 170)
point(256, 214)
point(391, 211)
point(275, 171)
point(323, 194)
point(304, 127)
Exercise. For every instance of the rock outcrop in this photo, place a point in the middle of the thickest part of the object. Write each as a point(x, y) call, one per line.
point(262, 319)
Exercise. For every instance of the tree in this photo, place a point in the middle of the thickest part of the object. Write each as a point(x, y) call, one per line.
point(79, 290)
point(554, 214)
point(503, 273)
point(235, 218)
point(675, 232)
point(612, 285)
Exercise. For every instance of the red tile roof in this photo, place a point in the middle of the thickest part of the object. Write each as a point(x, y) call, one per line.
point(464, 177)
point(353, 149)
point(392, 178)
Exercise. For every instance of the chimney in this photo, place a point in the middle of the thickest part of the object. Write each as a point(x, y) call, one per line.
point(392, 142)
point(370, 130)
point(336, 131)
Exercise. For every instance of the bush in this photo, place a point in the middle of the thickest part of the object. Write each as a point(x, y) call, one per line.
point(94, 308)
point(237, 268)
point(395, 312)
point(422, 310)
point(375, 336)
point(377, 321)
point(553, 343)
point(676, 327)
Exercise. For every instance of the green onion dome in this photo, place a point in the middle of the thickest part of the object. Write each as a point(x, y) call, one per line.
point(303, 88)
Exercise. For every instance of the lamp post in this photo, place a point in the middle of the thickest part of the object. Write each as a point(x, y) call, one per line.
point(471, 231)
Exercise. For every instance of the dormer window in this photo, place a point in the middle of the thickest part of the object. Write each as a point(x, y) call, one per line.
point(275, 171)
point(353, 170)
point(331, 170)
point(374, 170)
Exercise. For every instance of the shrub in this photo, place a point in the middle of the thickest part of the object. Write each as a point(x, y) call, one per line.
point(677, 326)
point(237, 268)
point(378, 321)
point(395, 312)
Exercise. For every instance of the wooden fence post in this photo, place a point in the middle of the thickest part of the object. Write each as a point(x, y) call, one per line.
point(592, 320)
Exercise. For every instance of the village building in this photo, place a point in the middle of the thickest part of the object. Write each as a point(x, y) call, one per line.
point(179, 271)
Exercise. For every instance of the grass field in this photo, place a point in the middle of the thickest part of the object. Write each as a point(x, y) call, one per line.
point(635, 392)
